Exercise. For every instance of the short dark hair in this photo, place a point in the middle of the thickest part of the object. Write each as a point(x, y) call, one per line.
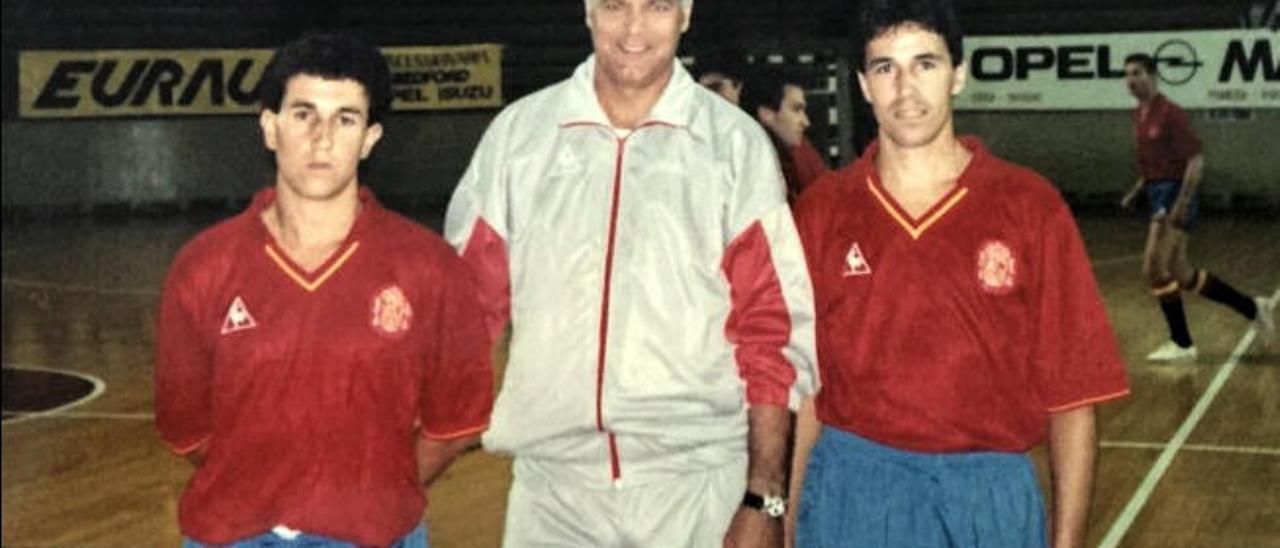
point(1148, 62)
point(716, 80)
point(878, 16)
point(764, 86)
point(331, 56)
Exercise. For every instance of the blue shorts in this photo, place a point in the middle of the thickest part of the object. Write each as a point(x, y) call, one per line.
point(1163, 193)
point(860, 493)
point(417, 538)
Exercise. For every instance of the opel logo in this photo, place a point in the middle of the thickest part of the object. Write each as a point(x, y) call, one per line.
point(1177, 62)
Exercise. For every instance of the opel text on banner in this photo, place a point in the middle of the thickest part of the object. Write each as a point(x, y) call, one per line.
point(1197, 69)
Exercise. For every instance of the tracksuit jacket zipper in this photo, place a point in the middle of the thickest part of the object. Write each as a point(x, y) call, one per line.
point(615, 467)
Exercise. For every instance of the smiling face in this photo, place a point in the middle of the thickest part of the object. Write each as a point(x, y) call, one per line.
point(909, 79)
point(635, 41)
point(319, 136)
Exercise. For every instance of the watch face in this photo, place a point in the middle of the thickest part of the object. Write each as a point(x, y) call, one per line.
point(774, 507)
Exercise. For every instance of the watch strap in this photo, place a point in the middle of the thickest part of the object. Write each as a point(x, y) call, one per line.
point(772, 506)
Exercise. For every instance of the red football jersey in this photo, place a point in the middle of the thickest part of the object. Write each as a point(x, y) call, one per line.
point(960, 330)
point(305, 389)
point(1166, 141)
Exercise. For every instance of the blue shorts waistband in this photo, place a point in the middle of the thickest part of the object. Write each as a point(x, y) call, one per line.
point(858, 445)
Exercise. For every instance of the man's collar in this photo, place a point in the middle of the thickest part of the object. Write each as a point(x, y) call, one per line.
point(674, 106)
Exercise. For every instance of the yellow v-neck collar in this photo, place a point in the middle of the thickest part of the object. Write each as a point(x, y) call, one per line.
point(313, 280)
point(917, 227)
point(310, 281)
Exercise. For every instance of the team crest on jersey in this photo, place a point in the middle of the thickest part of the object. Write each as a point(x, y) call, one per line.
point(238, 317)
point(855, 263)
point(997, 267)
point(391, 312)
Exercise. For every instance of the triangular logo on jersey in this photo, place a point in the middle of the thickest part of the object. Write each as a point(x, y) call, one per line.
point(855, 263)
point(238, 317)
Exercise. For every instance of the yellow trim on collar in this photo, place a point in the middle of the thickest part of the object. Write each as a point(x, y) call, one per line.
point(913, 230)
point(302, 280)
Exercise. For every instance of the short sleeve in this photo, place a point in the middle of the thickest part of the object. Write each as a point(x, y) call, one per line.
point(1183, 140)
point(1077, 359)
point(458, 387)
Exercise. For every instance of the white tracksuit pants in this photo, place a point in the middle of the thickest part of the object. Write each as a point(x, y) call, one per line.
point(693, 510)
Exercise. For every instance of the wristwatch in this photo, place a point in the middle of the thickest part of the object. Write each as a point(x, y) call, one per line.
point(772, 505)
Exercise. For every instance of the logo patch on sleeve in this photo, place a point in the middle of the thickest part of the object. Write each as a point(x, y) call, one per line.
point(391, 312)
point(997, 268)
point(855, 263)
point(238, 317)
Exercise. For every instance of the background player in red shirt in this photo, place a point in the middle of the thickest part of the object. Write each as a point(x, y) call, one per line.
point(959, 324)
point(779, 105)
point(1171, 164)
point(319, 358)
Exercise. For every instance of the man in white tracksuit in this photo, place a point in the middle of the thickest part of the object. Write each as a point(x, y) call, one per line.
point(633, 229)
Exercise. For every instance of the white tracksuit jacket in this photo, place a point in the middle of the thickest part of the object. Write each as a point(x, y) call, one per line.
point(654, 281)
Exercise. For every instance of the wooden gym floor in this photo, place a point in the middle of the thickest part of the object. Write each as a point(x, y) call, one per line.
point(1191, 459)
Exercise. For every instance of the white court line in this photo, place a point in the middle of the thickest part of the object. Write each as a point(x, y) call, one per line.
point(1131, 510)
point(90, 415)
point(37, 284)
point(98, 388)
point(1200, 447)
point(1117, 260)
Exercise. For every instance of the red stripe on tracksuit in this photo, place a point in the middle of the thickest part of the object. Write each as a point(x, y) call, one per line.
point(759, 324)
point(614, 466)
point(486, 253)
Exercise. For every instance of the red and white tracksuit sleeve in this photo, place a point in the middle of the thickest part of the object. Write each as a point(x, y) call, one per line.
point(771, 323)
point(476, 226)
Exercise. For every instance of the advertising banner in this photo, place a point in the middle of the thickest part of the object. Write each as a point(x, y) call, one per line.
point(1238, 69)
point(71, 84)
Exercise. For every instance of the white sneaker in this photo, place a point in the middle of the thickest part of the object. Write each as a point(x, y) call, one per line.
point(1264, 323)
point(1171, 352)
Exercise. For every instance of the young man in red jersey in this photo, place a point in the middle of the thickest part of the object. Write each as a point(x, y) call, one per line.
point(1171, 163)
point(319, 358)
point(959, 324)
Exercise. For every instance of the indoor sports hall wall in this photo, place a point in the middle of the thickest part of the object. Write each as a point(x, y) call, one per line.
point(80, 165)
point(1090, 154)
point(76, 165)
